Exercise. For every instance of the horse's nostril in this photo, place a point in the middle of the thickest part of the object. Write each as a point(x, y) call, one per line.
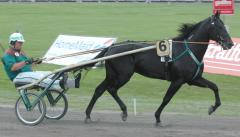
point(229, 45)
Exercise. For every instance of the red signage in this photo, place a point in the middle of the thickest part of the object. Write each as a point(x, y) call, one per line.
point(224, 6)
point(220, 61)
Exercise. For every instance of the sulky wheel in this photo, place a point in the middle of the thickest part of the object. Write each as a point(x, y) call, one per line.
point(57, 109)
point(33, 116)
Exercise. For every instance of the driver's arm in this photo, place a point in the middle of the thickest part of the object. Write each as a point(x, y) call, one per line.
point(18, 66)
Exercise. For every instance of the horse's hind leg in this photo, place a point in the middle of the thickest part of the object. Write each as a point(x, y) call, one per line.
point(123, 107)
point(98, 92)
point(117, 75)
point(173, 88)
point(202, 82)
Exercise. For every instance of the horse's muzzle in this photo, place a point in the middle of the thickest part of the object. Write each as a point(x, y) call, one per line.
point(227, 46)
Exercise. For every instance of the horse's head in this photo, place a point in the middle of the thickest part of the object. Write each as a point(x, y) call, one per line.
point(218, 32)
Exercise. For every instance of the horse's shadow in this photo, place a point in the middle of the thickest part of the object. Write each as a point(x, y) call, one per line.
point(102, 123)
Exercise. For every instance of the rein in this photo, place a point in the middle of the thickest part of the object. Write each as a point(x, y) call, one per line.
point(194, 42)
point(73, 54)
point(116, 45)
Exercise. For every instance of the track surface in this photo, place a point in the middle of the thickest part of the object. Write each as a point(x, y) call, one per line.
point(106, 124)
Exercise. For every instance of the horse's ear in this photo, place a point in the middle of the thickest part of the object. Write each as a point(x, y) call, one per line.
point(217, 14)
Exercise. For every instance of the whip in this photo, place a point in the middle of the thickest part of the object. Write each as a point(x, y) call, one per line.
point(2, 48)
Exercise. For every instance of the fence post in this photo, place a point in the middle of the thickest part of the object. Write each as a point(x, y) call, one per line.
point(135, 106)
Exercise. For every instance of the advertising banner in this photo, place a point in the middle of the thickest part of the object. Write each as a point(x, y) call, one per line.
point(220, 61)
point(224, 6)
point(67, 44)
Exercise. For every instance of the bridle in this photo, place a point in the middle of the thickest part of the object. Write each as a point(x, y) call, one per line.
point(218, 36)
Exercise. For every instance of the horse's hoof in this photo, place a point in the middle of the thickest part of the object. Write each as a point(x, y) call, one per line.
point(87, 120)
point(124, 116)
point(211, 110)
point(158, 124)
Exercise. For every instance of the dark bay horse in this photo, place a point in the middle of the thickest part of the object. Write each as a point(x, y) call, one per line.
point(187, 68)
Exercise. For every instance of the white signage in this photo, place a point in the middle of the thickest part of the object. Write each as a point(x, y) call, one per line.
point(66, 44)
point(221, 61)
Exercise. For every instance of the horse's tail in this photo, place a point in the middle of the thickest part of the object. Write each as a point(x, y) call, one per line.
point(78, 70)
point(100, 55)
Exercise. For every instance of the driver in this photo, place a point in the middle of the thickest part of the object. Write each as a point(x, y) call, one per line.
point(19, 67)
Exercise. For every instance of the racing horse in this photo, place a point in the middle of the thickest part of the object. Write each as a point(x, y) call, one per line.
point(186, 66)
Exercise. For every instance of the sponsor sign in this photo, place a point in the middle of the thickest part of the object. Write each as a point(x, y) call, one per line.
point(67, 44)
point(220, 61)
point(224, 6)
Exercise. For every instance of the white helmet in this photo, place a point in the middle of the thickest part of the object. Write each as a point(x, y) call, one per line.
point(16, 37)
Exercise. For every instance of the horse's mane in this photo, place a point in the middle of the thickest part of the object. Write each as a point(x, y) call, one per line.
point(186, 29)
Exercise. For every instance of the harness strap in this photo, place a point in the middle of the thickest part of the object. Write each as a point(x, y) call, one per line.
point(179, 56)
point(188, 51)
point(199, 64)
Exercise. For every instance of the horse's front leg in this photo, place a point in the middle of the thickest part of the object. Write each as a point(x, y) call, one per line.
point(202, 82)
point(173, 88)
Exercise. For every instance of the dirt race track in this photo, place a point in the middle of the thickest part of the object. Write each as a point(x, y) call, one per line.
point(107, 124)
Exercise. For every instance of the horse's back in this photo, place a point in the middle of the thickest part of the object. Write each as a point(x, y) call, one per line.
point(146, 63)
point(123, 48)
